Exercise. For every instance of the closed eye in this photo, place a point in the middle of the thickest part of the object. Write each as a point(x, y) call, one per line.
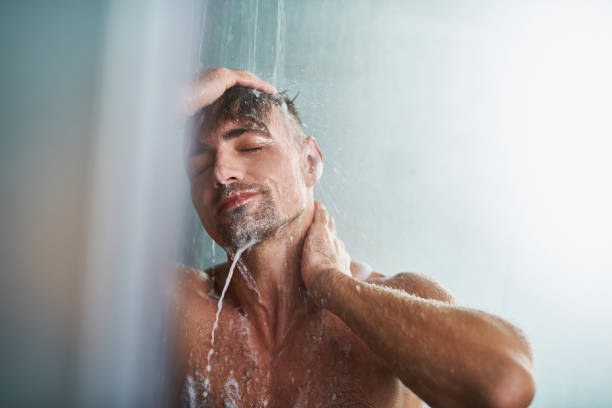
point(252, 149)
point(199, 164)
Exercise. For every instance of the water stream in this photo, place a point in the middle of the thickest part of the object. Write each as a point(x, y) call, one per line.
point(219, 307)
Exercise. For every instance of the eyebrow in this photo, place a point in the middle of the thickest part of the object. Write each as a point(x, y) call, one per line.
point(200, 147)
point(251, 125)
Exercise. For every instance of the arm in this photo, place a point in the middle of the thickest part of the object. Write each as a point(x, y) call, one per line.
point(449, 356)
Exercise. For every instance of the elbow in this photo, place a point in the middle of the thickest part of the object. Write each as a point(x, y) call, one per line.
point(514, 387)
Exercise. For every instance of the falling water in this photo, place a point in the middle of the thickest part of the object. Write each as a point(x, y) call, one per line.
point(280, 11)
point(201, 23)
point(219, 307)
point(253, 55)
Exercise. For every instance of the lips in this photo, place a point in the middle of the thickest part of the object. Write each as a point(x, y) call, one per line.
point(233, 201)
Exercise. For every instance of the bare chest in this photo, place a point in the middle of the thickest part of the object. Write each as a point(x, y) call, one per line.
point(320, 364)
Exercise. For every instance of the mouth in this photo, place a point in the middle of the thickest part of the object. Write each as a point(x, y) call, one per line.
point(233, 201)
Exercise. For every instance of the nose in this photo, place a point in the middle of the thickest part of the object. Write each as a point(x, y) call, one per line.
point(226, 169)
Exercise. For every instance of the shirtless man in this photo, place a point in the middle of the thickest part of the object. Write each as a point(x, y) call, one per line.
point(302, 325)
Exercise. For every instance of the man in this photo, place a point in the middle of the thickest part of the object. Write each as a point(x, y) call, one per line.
point(302, 325)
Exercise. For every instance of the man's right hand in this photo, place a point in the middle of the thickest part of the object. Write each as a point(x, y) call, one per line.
point(211, 83)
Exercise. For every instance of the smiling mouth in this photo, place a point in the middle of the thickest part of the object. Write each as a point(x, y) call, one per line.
point(233, 201)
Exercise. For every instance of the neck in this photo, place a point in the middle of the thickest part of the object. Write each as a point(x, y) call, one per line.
point(267, 282)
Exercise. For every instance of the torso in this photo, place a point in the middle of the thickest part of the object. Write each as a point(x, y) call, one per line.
point(321, 362)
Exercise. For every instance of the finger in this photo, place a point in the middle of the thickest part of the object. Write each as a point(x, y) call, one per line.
point(210, 73)
point(320, 214)
point(250, 80)
point(325, 218)
point(331, 223)
point(319, 207)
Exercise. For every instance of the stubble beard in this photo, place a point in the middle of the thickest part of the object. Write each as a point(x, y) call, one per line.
point(248, 227)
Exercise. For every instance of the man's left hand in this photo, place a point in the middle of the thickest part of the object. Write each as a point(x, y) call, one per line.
point(323, 250)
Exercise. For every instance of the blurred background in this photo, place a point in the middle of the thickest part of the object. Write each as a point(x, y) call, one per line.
point(466, 140)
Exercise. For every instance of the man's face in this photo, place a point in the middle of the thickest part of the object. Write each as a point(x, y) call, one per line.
point(246, 178)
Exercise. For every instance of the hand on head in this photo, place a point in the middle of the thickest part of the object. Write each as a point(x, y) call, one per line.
point(210, 84)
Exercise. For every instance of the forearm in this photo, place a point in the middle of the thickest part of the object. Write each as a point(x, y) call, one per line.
point(447, 355)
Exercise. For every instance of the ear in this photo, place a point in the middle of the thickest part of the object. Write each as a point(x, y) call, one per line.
point(312, 165)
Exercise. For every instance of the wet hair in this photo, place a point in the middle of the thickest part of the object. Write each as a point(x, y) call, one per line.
point(239, 103)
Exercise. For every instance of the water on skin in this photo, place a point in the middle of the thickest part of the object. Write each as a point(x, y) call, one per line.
point(191, 392)
point(248, 279)
point(219, 307)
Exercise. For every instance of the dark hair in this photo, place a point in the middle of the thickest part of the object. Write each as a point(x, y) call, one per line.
point(239, 102)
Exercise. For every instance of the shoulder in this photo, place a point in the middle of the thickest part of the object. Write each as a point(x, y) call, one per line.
point(189, 279)
point(360, 270)
point(192, 284)
point(409, 282)
point(193, 302)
